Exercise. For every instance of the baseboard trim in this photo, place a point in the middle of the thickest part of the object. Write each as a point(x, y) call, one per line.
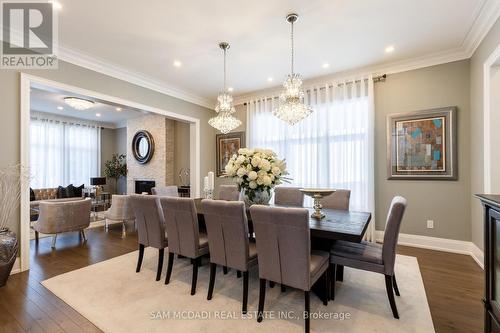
point(439, 244)
point(17, 266)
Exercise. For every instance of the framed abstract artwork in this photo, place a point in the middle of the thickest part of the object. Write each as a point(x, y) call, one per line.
point(227, 146)
point(423, 145)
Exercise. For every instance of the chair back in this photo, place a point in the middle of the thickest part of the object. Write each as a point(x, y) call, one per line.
point(288, 196)
point(149, 220)
point(283, 244)
point(227, 229)
point(391, 234)
point(61, 216)
point(338, 200)
point(229, 193)
point(165, 191)
point(121, 208)
point(181, 221)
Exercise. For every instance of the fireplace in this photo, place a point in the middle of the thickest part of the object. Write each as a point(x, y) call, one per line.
point(144, 186)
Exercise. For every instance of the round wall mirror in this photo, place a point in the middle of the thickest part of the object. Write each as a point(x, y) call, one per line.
point(143, 146)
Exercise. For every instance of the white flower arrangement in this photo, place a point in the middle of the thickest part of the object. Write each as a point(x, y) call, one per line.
point(256, 170)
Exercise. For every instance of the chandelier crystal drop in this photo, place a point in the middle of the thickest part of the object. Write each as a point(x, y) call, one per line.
point(224, 121)
point(291, 108)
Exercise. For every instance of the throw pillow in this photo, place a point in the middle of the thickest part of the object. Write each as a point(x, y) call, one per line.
point(79, 190)
point(70, 191)
point(61, 192)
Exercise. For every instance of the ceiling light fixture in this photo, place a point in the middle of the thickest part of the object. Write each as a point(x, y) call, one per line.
point(97, 114)
point(230, 89)
point(78, 103)
point(269, 79)
point(118, 109)
point(224, 121)
point(389, 49)
point(291, 107)
point(60, 108)
point(177, 63)
point(325, 65)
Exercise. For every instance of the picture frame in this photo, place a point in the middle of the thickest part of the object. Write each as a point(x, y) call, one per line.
point(422, 145)
point(227, 145)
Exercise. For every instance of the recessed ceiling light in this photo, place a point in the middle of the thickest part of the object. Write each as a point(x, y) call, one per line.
point(56, 5)
point(118, 109)
point(177, 63)
point(269, 79)
point(97, 114)
point(60, 108)
point(325, 65)
point(389, 49)
point(230, 89)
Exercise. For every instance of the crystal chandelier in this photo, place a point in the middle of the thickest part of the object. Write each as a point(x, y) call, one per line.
point(291, 107)
point(224, 121)
point(78, 103)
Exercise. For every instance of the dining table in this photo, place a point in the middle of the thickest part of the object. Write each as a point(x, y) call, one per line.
point(344, 225)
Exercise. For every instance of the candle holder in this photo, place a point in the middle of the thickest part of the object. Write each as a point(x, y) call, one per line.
point(209, 194)
point(317, 194)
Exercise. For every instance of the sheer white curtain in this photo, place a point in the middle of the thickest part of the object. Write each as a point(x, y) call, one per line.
point(333, 148)
point(63, 152)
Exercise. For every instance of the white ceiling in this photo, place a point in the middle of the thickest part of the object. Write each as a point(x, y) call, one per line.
point(143, 38)
point(46, 100)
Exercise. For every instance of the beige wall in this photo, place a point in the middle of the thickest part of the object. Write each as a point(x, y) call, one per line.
point(108, 148)
point(487, 46)
point(181, 150)
point(87, 79)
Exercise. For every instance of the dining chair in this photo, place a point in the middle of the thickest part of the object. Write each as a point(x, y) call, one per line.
point(120, 210)
point(227, 230)
point(150, 227)
point(165, 191)
point(229, 193)
point(284, 253)
point(374, 257)
point(288, 196)
point(339, 200)
point(185, 239)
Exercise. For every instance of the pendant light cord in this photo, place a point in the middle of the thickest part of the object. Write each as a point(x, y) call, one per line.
point(224, 69)
point(291, 36)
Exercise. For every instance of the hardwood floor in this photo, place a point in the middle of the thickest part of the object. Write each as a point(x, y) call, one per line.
point(454, 285)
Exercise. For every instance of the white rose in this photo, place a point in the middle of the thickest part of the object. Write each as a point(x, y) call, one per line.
point(260, 180)
point(241, 172)
point(252, 175)
point(252, 185)
point(276, 171)
point(256, 161)
point(249, 167)
point(267, 180)
point(240, 159)
point(265, 165)
point(242, 151)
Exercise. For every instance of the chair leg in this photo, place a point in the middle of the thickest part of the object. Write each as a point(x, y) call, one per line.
point(161, 253)
point(333, 280)
point(213, 269)
point(54, 239)
point(271, 284)
point(395, 285)
point(390, 294)
point(36, 236)
point(326, 278)
point(262, 299)
point(169, 267)
point(106, 226)
point(340, 273)
point(196, 263)
point(139, 261)
point(306, 310)
point(245, 292)
point(238, 274)
point(283, 288)
point(224, 270)
point(124, 229)
point(83, 235)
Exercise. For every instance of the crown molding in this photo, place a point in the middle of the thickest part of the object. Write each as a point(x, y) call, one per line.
point(485, 20)
point(101, 66)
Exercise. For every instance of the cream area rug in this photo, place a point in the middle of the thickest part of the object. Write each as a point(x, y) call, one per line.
point(115, 298)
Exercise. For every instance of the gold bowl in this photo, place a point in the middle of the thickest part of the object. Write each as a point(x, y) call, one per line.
point(317, 194)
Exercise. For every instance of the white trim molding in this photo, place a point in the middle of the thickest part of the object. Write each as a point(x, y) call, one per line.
point(438, 244)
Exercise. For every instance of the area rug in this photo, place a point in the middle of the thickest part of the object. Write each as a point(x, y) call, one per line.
point(115, 298)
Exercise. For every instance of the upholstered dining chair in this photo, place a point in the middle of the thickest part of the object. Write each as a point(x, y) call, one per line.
point(227, 230)
point(185, 238)
point(229, 193)
point(150, 227)
point(284, 252)
point(374, 257)
point(120, 210)
point(288, 196)
point(165, 191)
point(339, 200)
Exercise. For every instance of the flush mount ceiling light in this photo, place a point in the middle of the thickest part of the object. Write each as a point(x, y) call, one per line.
point(291, 107)
point(78, 103)
point(224, 121)
point(389, 49)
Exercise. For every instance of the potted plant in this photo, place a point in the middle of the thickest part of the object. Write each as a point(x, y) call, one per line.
point(10, 197)
point(116, 167)
point(257, 172)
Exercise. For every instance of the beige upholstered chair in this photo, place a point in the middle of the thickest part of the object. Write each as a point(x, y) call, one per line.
point(374, 257)
point(57, 216)
point(165, 191)
point(120, 210)
point(284, 252)
point(229, 193)
point(288, 196)
point(181, 221)
point(227, 230)
point(150, 227)
point(338, 200)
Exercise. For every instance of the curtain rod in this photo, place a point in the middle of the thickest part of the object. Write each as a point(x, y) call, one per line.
point(379, 78)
